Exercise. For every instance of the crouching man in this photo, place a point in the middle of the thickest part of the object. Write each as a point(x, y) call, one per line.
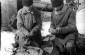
point(29, 24)
point(63, 27)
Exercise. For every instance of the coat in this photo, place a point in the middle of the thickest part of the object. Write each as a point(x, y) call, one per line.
point(30, 22)
point(65, 19)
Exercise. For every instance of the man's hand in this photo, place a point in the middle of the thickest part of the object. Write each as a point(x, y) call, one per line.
point(58, 29)
point(26, 33)
point(51, 30)
point(55, 31)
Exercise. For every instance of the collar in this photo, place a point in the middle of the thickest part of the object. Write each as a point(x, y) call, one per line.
point(63, 9)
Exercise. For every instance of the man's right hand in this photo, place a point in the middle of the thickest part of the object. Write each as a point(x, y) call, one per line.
point(52, 31)
point(26, 33)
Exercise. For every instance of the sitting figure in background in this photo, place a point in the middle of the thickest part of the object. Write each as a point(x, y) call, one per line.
point(72, 4)
point(29, 25)
point(63, 27)
point(13, 22)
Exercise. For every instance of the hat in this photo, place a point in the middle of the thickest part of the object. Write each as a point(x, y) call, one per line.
point(27, 2)
point(56, 3)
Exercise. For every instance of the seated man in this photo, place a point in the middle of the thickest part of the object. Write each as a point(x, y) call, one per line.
point(63, 27)
point(12, 22)
point(29, 24)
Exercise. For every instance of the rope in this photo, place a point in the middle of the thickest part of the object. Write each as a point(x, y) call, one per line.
point(44, 6)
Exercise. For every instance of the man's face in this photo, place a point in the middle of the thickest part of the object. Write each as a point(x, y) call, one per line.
point(26, 7)
point(57, 3)
point(57, 8)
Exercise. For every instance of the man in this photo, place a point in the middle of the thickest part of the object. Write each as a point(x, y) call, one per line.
point(63, 27)
point(13, 22)
point(29, 24)
point(72, 4)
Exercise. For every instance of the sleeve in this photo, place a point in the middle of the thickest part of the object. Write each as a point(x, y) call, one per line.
point(38, 25)
point(71, 27)
point(52, 24)
point(20, 25)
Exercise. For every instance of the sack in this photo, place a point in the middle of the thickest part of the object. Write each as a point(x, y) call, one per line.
point(31, 51)
point(48, 47)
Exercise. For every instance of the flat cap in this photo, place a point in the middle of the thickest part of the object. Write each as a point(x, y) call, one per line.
point(27, 2)
point(56, 3)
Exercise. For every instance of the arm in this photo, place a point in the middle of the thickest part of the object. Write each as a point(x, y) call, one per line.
point(71, 27)
point(52, 24)
point(20, 25)
point(38, 24)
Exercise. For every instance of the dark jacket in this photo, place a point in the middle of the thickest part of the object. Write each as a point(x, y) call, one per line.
point(66, 21)
point(30, 22)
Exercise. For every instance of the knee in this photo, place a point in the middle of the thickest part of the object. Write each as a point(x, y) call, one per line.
point(70, 44)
